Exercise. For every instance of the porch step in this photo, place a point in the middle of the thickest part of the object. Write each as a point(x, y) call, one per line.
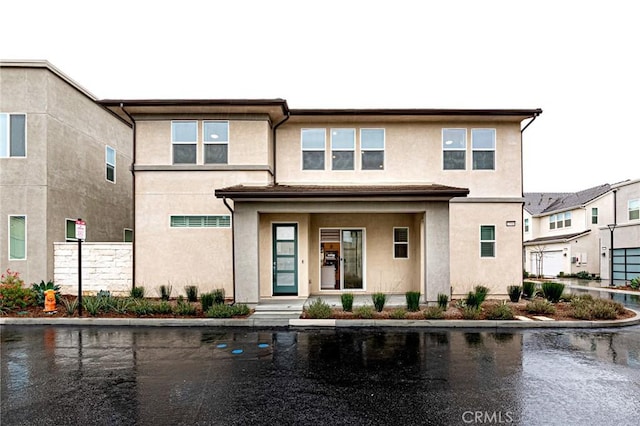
point(273, 306)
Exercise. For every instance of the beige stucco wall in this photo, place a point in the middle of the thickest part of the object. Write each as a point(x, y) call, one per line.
point(413, 154)
point(468, 269)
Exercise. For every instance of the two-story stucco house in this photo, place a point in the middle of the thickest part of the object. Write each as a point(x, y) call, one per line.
point(562, 230)
point(267, 201)
point(63, 156)
point(624, 230)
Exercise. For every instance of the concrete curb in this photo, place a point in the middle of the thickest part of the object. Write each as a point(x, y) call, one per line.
point(319, 323)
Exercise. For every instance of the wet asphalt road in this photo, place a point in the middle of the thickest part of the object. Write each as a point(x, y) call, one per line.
point(185, 376)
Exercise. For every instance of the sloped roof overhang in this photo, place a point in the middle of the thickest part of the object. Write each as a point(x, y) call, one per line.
point(556, 238)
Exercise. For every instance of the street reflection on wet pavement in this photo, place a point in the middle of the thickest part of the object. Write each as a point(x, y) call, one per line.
point(154, 376)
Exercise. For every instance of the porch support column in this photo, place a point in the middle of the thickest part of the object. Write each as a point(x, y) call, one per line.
point(436, 253)
point(246, 254)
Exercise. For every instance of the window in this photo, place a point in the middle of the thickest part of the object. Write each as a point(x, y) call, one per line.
point(110, 160)
point(483, 142)
point(221, 221)
point(128, 235)
point(343, 143)
point(487, 241)
point(372, 149)
point(216, 142)
point(184, 138)
point(313, 145)
point(70, 230)
point(400, 243)
point(13, 135)
point(567, 219)
point(634, 209)
point(17, 237)
point(526, 225)
point(560, 220)
point(454, 147)
point(594, 215)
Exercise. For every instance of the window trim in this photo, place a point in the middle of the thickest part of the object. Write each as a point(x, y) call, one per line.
point(205, 142)
point(494, 242)
point(26, 239)
point(494, 150)
point(454, 149)
point(106, 161)
point(184, 142)
point(8, 134)
point(634, 209)
point(363, 149)
point(397, 243)
point(203, 216)
point(323, 150)
point(352, 150)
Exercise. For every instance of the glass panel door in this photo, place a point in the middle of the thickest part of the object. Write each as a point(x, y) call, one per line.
point(352, 259)
point(285, 259)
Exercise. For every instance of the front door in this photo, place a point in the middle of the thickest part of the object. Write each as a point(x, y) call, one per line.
point(285, 259)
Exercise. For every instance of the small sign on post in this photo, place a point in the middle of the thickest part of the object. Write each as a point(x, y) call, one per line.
point(81, 234)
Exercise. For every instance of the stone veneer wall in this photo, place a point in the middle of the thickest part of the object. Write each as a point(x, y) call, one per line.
point(105, 266)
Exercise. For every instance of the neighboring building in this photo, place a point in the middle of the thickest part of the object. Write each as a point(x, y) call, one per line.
point(561, 231)
point(62, 157)
point(626, 234)
point(266, 201)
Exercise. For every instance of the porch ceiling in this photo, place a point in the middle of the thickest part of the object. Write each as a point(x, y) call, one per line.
point(433, 191)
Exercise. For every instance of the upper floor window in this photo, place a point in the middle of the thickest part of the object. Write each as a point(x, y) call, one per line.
point(313, 146)
point(13, 135)
point(594, 215)
point(526, 225)
point(400, 243)
point(343, 143)
point(110, 160)
point(372, 149)
point(560, 220)
point(487, 241)
point(216, 142)
point(17, 237)
point(634, 209)
point(197, 221)
point(454, 149)
point(483, 144)
point(184, 139)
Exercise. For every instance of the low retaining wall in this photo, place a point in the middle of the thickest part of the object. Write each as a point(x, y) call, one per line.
point(105, 266)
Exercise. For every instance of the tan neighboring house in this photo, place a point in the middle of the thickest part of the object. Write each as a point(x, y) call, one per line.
point(271, 202)
point(624, 230)
point(62, 157)
point(562, 231)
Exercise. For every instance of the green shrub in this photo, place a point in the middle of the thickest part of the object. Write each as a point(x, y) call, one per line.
point(528, 289)
point(192, 293)
point(184, 308)
point(540, 307)
point(434, 312)
point(39, 290)
point(347, 301)
point(70, 306)
point(241, 310)
point(379, 299)
point(472, 300)
point(92, 304)
point(590, 309)
point(398, 313)
point(14, 295)
point(319, 309)
point(481, 293)
point(137, 292)
point(121, 305)
point(162, 307)
point(514, 292)
point(219, 310)
point(443, 301)
point(206, 300)
point(552, 291)
point(106, 301)
point(141, 307)
point(218, 296)
point(583, 275)
point(164, 291)
point(413, 301)
point(635, 283)
point(364, 311)
point(470, 312)
point(501, 311)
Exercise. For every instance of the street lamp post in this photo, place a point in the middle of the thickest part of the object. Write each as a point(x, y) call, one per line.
point(611, 228)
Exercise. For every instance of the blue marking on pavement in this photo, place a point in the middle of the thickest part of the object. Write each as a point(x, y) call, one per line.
point(263, 345)
point(237, 351)
point(222, 345)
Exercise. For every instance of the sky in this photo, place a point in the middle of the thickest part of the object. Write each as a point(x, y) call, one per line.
point(576, 60)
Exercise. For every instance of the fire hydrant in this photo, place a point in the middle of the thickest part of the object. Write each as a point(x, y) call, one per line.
point(49, 300)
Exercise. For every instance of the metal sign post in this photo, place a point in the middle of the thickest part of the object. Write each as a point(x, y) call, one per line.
point(81, 234)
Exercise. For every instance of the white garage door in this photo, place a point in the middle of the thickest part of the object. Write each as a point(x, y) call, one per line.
point(552, 264)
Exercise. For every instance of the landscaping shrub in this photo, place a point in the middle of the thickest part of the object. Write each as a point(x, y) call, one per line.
point(141, 307)
point(137, 292)
point(162, 307)
point(583, 275)
point(470, 312)
point(514, 292)
point(379, 299)
point(219, 310)
point(364, 312)
point(241, 310)
point(347, 301)
point(184, 308)
point(552, 291)
point(472, 300)
point(39, 290)
point(206, 300)
point(434, 312)
point(540, 307)
point(70, 306)
point(501, 311)
point(121, 305)
point(413, 301)
point(192, 293)
point(635, 283)
point(398, 313)
point(481, 293)
point(92, 304)
point(528, 289)
point(443, 301)
point(164, 291)
point(319, 309)
point(218, 296)
point(14, 295)
point(591, 309)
